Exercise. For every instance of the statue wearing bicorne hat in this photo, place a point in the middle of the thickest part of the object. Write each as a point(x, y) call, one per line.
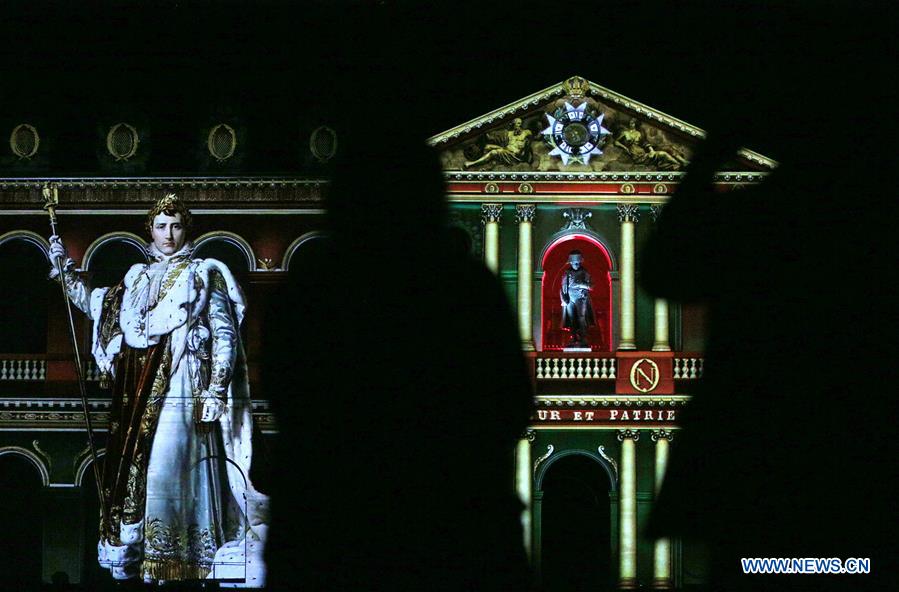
point(175, 478)
point(577, 309)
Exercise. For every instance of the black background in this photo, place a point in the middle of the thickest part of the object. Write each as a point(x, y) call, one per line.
point(280, 69)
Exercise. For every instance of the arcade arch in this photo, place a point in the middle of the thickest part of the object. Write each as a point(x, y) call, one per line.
point(574, 533)
point(24, 265)
point(33, 458)
point(109, 257)
point(228, 247)
point(306, 245)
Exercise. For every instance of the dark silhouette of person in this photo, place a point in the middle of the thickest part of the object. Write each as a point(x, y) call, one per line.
point(785, 442)
point(396, 375)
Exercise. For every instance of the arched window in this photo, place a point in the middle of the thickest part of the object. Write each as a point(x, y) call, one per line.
point(229, 248)
point(598, 263)
point(576, 554)
point(20, 497)
point(110, 257)
point(24, 293)
point(304, 250)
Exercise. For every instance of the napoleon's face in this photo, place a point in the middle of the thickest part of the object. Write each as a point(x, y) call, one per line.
point(575, 263)
point(168, 233)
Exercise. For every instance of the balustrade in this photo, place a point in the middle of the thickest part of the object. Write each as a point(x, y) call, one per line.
point(575, 368)
point(23, 369)
point(687, 368)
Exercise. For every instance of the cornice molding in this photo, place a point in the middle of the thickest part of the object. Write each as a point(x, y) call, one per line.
point(84, 192)
point(612, 400)
point(165, 182)
point(741, 177)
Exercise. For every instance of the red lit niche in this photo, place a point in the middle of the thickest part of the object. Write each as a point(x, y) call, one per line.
point(598, 264)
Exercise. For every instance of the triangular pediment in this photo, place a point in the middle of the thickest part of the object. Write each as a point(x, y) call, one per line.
point(577, 126)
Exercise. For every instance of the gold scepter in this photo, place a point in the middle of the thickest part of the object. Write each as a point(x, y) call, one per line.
point(51, 197)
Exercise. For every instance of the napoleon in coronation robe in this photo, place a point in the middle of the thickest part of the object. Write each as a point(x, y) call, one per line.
point(175, 476)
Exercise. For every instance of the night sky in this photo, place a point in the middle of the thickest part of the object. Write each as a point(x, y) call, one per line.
point(423, 68)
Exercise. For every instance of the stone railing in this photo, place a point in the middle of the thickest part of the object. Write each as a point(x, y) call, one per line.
point(687, 368)
point(23, 369)
point(575, 368)
point(91, 372)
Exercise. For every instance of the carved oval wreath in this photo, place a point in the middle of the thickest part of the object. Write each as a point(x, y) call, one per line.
point(122, 141)
point(323, 143)
point(24, 141)
point(222, 142)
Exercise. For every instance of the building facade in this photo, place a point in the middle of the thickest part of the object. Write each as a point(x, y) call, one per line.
point(574, 167)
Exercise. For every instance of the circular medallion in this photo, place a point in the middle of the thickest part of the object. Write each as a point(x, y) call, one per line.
point(575, 133)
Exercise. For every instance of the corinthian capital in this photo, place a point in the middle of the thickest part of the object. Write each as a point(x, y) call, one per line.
point(525, 213)
point(628, 213)
point(491, 212)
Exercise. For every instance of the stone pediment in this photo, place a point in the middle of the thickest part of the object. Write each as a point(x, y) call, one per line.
point(577, 126)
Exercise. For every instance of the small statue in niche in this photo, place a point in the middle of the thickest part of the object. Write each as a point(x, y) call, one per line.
point(577, 310)
point(510, 147)
point(642, 152)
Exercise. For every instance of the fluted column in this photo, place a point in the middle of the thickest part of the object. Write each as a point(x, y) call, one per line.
point(660, 343)
point(661, 570)
point(627, 506)
point(524, 215)
point(490, 216)
point(523, 485)
point(627, 215)
point(661, 334)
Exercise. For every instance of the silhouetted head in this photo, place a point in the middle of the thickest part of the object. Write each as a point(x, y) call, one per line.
point(387, 192)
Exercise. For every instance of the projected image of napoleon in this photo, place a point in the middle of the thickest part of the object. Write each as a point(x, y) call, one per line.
point(577, 310)
point(175, 477)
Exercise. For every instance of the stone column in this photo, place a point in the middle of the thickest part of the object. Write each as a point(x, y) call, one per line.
point(490, 216)
point(523, 485)
point(660, 343)
point(627, 506)
point(524, 215)
point(537, 540)
point(661, 570)
point(660, 340)
point(627, 215)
